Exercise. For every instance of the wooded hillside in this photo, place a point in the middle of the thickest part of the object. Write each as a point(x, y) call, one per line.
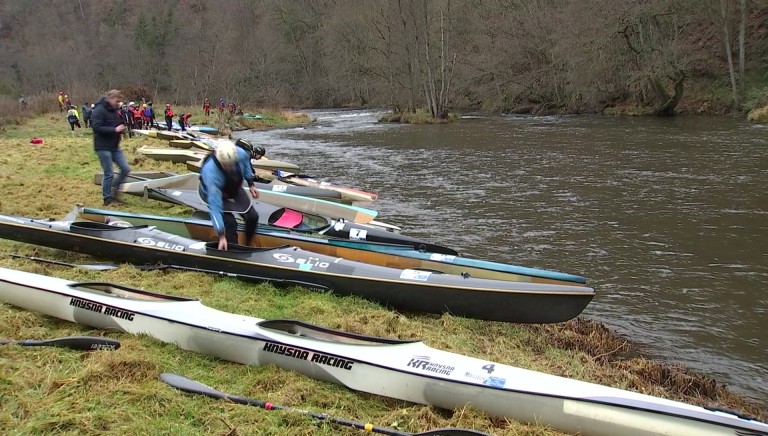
point(501, 55)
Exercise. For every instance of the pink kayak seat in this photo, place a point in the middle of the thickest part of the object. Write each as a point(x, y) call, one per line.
point(289, 219)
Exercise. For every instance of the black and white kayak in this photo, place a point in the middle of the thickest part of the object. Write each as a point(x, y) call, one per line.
point(405, 370)
point(398, 256)
point(411, 290)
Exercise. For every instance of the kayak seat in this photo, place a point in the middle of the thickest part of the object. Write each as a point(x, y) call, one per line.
point(287, 218)
point(300, 328)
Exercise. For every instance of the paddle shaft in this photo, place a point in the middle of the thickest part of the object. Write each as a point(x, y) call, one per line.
point(71, 265)
point(235, 275)
point(81, 343)
point(105, 267)
point(187, 385)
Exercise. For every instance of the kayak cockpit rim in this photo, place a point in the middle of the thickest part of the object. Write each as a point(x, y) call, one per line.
point(305, 329)
point(128, 293)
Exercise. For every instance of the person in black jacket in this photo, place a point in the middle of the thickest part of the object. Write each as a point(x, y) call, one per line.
point(107, 128)
point(86, 109)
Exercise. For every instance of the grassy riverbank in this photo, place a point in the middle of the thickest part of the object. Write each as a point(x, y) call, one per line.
point(46, 390)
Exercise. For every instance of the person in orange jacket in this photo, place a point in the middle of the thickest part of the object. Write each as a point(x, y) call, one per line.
point(138, 120)
point(207, 107)
point(168, 116)
point(184, 121)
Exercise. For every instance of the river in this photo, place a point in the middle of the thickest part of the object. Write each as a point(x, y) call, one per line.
point(666, 217)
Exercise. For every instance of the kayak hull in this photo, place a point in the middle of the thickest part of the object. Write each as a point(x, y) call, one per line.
point(402, 289)
point(405, 370)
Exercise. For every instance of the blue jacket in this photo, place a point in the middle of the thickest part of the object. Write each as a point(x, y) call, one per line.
point(104, 119)
point(213, 184)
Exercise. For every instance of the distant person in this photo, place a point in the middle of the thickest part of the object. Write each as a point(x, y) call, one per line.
point(144, 116)
point(107, 129)
point(149, 113)
point(73, 118)
point(184, 121)
point(137, 121)
point(168, 116)
point(86, 109)
point(67, 102)
point(23, 103)
point(127, 116)
point(221, 188)
point(222, 104)
point(207, 107)
point(60, 99)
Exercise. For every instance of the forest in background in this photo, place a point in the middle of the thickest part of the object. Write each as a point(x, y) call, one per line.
point(525, 56)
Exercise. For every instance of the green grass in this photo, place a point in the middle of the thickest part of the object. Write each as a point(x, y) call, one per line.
point(55, 391)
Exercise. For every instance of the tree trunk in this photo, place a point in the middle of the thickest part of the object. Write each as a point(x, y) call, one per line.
point(668, 106)
point(728, 52)
point(742, 37)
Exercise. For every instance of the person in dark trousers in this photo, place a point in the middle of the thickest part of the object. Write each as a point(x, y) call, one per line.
point(168, 116)
point(184, 121)
point(149, 113)
point(207, 107)
point(107, 127)
point(73, 118)
point(221, 188)
point(86, 109)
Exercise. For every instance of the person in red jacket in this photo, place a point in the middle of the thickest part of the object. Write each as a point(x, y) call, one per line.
point(138, 122)
point(207, 107)
point(184, 121)
point(168, 116)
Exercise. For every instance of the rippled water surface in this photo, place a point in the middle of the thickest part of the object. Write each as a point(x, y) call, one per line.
point(668, 218)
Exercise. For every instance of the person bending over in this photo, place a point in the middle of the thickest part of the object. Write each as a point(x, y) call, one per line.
point(221, 188)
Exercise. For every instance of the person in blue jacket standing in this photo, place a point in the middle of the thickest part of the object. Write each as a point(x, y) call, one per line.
point(107, 127)
point(221, 188)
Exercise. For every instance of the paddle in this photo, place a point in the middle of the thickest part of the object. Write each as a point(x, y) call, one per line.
point(235, 275)
point(106, 267)
point(81, 343)
point(92, 267)
point(184, 384)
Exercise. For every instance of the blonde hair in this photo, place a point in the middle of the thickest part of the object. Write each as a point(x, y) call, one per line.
point(115, 93)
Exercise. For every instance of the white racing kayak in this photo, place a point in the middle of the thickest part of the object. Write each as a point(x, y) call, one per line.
point(406, 370)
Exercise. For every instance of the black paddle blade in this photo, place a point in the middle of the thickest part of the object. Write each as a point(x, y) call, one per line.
point(188, 385)
point(80, 343)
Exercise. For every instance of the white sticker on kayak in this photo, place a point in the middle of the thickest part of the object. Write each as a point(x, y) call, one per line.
point(358, 234)
point(413, 274)
point(280, 188)
point(339, 226)
point(442, 257)
point(176, 193)
point(160, 244)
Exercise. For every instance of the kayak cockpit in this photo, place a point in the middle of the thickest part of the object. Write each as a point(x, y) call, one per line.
point(308, 330)
point(118, 291)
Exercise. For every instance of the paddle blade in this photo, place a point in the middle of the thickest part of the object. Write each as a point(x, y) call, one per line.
point(187, 385)
point(452, 432)
point(80, 343)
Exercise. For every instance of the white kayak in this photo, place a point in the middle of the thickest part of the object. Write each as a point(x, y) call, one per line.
point(406, 370)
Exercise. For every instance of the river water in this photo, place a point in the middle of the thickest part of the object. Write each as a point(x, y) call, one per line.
point(667, 218)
